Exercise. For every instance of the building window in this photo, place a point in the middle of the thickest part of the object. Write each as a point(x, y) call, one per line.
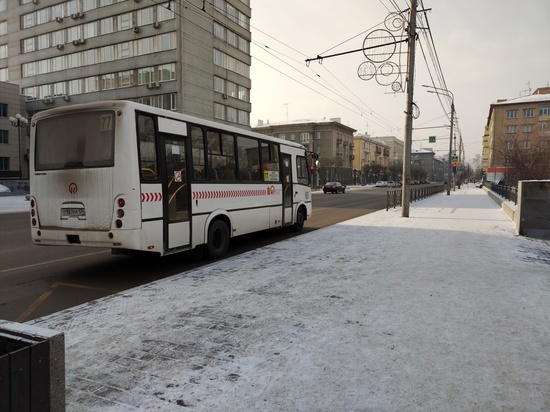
point(145, 16)
point(107, 54)
point(124, 50)
point(509, 145)
point(43, 41)
point(544, 110)
point(75, 87)
point(219, 84)
point(232, 114)
point(4, 137)
point(108, 81)
point(58, 37)
point(219, 111)
point(511, 129)
point(164, 13)
point(293, 136)
point(525, 144)
point(3, 51)
point(167, 72)
point(91, 84)
point(527, 128)
point(304, 138)
point(90, 30)
point(511, 114)
point(107, 25)
point(146, 75)
point(3, 28)
point(528, 112)
point(59, 89)
point(89, 5)
point(124, 21)
point(281, 136)
point(126, 78)
point(28, 20)
point(542, 126)
point(4, 163)
point(28, 45)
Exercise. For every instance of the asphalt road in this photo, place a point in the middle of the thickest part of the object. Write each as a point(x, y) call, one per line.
point(36, 281)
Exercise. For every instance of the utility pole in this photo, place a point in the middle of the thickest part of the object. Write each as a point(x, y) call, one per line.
point(405, 198)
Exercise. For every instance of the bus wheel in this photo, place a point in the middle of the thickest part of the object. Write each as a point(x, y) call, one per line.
point(300, 219)
point(218, 239)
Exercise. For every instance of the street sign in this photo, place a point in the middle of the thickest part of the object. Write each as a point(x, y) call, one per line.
point(431, 139)
point(454, 158)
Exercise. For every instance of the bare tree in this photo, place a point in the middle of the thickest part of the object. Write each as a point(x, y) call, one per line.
point(526, 157)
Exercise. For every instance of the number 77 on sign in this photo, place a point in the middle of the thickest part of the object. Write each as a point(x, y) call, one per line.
point(431, 139)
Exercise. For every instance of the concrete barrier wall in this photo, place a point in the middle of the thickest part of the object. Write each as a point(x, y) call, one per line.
point(534, 208)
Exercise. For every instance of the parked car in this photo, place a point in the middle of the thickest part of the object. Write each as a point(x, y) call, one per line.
point(381, 183)
point(334, 187)
point(479, 184)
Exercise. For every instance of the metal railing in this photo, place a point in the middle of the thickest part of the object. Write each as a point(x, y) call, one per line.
point(508, 192)
point(393, 197)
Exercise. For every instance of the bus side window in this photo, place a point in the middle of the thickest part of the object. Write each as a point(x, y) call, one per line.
point(248, 157)
point(147, 147)
point(197, 147)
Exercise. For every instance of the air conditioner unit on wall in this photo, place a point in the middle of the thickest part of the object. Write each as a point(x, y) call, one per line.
point(59, 19)
point(156, 24)
point(76, 42)
point(60, 46)
point(136, 29)
point(48, 100)
point(66, 97)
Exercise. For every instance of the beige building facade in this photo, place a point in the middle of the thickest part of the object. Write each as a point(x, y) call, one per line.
point(521, 123)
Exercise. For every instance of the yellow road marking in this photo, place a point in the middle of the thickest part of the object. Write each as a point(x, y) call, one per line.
point(23, 317)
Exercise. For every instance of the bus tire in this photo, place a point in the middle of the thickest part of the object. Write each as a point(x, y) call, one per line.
point(300, 219)
point(218, 239)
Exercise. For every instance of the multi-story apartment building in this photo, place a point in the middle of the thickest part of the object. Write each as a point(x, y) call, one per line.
point(520, 124)
point(373, 158)
point(14, 141)
point(331, 140)
point(182, 56)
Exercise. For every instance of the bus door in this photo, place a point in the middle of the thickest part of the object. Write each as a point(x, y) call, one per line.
point(287, 189)
point(176, 203)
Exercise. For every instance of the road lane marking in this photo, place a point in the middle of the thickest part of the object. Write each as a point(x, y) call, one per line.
point(42, 298)
point(53, 261)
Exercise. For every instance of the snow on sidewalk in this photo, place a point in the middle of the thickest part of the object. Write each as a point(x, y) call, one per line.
point(444, 310)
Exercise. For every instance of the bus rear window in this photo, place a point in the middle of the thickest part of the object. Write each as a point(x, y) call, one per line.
point(79, 140)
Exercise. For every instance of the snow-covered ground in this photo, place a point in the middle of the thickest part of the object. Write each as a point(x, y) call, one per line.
point(447, 310)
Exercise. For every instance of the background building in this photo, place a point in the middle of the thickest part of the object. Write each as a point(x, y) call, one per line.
point(171, 54)
point(516, 142)
point(330, 139)
point(14, 140)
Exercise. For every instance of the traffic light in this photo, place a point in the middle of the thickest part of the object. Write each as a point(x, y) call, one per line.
point(454, 166)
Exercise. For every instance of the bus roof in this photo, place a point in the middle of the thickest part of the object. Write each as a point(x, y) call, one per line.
point(169, 114)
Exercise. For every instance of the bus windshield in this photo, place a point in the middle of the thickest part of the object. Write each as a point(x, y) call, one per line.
point(72, 141)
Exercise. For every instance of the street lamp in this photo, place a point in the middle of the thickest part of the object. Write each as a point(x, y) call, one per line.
point(447, 93)
point(19, 122)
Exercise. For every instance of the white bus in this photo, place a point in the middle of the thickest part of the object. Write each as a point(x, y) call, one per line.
point(130, 177)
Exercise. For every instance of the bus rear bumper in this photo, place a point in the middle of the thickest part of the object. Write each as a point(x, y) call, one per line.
point(124, 239)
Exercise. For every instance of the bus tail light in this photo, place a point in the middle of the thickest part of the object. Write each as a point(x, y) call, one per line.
point(34, 214)
point(119, 213)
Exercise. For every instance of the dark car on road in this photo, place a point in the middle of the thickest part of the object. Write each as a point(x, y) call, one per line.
point(334, 187)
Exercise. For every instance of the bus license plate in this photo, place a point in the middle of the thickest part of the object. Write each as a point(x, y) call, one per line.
point(72, 212)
